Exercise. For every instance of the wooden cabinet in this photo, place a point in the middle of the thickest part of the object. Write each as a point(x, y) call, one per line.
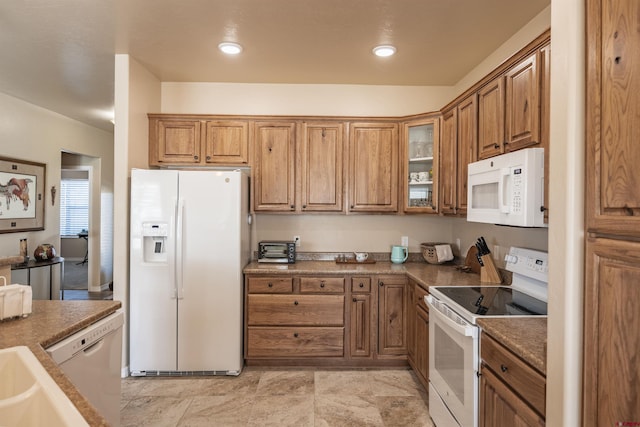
point(321, 167)
point(510, 107)
point(511, 392)
point(418, 332)
point(392, 315)
point(373, 167)
point(185, 140)
point(307, 321)
point(459, 132)
point(611, 379)
point(419, 172)
point(274, 166)
point(360, 330)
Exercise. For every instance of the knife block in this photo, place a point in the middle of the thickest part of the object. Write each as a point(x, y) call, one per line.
point(489, 273)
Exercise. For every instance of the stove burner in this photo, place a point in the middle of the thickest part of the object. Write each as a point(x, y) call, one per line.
point(494, 300)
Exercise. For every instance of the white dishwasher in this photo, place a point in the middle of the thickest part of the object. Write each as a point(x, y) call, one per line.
point(92, 360)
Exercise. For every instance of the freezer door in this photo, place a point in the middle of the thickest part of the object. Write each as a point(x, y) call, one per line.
point(153, 300)
point(213, 214)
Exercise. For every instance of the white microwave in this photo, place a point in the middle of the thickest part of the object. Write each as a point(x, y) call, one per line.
point(508, 189)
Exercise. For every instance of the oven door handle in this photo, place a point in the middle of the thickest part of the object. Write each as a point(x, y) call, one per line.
point(466, 329)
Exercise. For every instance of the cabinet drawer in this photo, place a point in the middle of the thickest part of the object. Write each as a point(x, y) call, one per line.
point(270, 285)
point(283, 310)
point(420, 293)
point(360, 284)
point(321, 284)
point(522, 378)
point(295, 342)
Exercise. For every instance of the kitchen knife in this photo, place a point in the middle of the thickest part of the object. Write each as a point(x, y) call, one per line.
point(484, 244)
point(479, 255)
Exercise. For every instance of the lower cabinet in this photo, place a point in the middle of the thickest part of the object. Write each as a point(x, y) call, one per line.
point(326, 320)
point(512, 393)
point(418, 332)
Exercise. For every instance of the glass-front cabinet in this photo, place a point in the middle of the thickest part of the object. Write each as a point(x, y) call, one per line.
point(421, 145)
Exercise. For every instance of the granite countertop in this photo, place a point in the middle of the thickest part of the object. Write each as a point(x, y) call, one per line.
point(525, 337)
point(50, 322)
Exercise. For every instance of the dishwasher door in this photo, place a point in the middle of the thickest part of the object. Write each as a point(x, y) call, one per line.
point(92, 360)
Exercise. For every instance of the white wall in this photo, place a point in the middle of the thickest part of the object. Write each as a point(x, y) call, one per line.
point(137, 92)
point(33, 133)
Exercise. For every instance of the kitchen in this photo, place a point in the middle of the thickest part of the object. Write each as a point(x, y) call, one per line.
point(566, 168)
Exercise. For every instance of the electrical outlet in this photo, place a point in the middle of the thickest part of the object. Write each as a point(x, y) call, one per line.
point(496, 252)
point(404, 241)
point(296, 239)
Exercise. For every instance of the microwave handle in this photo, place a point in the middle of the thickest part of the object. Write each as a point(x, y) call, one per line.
point(505, 173)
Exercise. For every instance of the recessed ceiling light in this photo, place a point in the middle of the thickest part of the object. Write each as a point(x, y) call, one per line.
point(384, 50)
point(230, 48)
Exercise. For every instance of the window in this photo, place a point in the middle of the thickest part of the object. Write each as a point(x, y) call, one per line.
point(74, 206)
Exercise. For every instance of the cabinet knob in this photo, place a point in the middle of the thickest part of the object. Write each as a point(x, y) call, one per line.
point(208, 158)
point(195, 157)
point(355, 300)
point(503, 368)
point(322, 284)
point(304, 206)
point(295, 303)
point(496, 145)
point(361, 285)
point(381, 283)
point(295, 335)
point(293, 206)
point(270, 285)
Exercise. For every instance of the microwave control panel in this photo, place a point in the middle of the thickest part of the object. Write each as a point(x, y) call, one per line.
point(516, 191)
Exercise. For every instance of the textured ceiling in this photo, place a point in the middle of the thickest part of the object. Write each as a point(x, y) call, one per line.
point(60, 54)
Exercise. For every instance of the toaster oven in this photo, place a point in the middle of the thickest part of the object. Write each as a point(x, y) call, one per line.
point(277, 252)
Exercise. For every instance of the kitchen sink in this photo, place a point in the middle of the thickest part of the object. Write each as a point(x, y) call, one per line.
point(29, 396)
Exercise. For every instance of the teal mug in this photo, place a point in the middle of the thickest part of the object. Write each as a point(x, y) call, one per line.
point(399, 254)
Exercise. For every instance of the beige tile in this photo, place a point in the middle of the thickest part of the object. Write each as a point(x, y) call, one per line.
point(178, 387)
point(403, 411)
point(245, 383)
point(154, 411)
point(394, 383)
point(281, 411)
point(343, 410)
point(131, 387)
point(285, 383)
point(227, 411)
point(351, 383)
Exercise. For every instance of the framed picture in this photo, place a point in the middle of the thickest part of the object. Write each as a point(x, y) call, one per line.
point(21, 195)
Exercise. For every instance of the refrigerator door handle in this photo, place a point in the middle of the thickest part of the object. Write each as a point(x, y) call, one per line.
point(179, 249)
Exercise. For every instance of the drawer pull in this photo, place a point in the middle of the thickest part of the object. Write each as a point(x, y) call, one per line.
point(295, 303)
point(361, 285)
point(322, 284)
point(295, 335)
point(503, 368)
point(270, 285)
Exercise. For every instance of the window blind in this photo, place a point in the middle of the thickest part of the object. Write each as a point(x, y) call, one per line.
point(74, 206)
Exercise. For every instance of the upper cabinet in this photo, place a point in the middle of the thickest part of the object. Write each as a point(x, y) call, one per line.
point(373, 167)
point(321, 167)
point(185, 140)
point(274, 166)
point(459, 132)
point(419, 170)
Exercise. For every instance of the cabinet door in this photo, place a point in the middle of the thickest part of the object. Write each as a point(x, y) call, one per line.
point(500, 406)
point(373, 171)
point(523, 104)
point(467, 132)
point(491, 119)
point(419, 172)
point(448, 154)
point(274, 167)
point(422, 344)
point(360, 327)
point(411, 324)
point(611, 332)
point(613, 109)
point(174, 141)
point(545, 118)
point(226, 142)
point(321, 167)
point(392, 316)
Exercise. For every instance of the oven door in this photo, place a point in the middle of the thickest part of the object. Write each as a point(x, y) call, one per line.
point(453, 366)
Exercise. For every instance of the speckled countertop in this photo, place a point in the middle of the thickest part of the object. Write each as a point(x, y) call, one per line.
point(526, 337)
point(50, 322)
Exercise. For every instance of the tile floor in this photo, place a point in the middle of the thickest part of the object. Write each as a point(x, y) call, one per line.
point(278, 398)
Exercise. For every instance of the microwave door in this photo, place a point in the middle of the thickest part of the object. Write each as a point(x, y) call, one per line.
point(504, 190)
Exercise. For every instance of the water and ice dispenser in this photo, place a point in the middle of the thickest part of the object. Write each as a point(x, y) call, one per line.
point(154, 241)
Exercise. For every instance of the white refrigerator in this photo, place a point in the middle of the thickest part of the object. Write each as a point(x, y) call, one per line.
point(190, 239)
